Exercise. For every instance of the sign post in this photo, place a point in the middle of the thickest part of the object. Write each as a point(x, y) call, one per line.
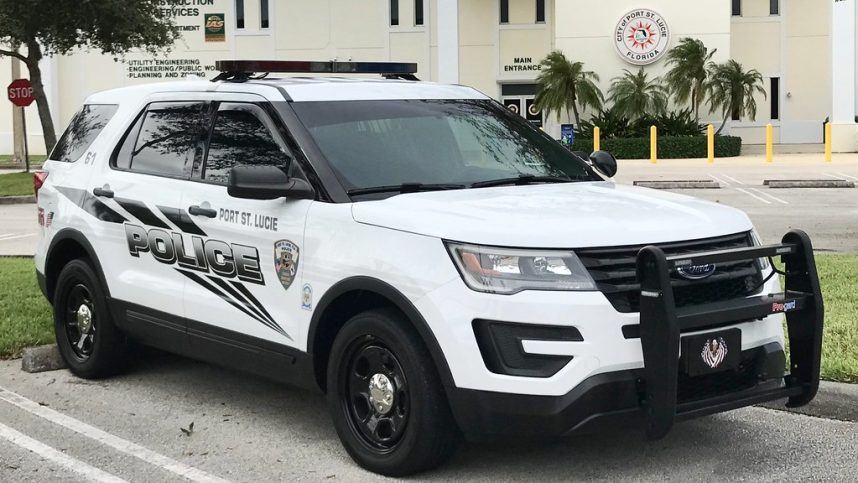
point(20, 93)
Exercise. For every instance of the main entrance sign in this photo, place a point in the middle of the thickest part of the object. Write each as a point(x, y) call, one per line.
point(642, 36)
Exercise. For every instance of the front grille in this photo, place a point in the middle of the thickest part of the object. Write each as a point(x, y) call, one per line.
point(614, 271)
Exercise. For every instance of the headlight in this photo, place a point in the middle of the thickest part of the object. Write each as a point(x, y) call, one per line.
point(510, 270)
point(764, 262)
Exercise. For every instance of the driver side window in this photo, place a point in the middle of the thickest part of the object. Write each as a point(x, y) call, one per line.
point(243, 135)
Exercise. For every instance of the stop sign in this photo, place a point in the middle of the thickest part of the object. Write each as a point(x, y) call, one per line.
point(20, 92)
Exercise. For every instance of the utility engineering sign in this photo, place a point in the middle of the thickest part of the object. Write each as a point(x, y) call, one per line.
point(20, 92)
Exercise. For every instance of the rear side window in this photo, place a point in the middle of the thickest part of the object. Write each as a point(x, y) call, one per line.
point(84, 127)
point(164, 141)
point(242, 135)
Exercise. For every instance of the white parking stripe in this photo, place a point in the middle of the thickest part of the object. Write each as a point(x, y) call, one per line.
point(718, 179)
point(849, 176)
point(752, 195)
point(103, 437)
point(15, 237)
point(763, 193)
point(833, 176)
point(89, 472)
point(732, 179)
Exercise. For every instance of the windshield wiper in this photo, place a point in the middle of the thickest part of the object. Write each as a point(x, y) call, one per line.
point(521, 180)
point(405, 188)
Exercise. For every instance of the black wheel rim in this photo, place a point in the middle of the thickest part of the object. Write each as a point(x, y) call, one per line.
point(80, 331)
point(380, 423)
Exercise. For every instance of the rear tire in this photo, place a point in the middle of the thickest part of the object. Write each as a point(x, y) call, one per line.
point(87, 338)
point(376, 355)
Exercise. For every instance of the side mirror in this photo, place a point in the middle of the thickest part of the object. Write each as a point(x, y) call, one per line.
point(604, 162)
point(266, 183)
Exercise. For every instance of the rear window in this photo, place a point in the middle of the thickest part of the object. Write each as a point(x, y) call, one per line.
point(84, 127)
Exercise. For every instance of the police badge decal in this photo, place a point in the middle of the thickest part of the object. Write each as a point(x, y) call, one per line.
point(285, 261)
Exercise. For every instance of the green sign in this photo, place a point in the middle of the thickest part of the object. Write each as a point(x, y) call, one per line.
point(215, 27)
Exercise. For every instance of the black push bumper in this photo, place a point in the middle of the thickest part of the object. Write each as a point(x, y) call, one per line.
point(660, 393)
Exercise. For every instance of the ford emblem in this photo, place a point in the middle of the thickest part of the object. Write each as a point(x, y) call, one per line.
point(696, 272)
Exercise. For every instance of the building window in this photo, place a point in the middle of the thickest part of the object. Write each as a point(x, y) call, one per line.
point(540, 11)
point(418, 12)
point(504, 11)
point(394, 12)
point(774, 7)
point(264, 21)
point(737, 8)
point(239, 14)
point(775, 96)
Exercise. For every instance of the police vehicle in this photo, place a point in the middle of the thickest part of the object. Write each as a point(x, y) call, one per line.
point(430, 261)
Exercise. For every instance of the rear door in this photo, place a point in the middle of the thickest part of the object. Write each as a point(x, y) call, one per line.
point(142, 226)
point(253, 292)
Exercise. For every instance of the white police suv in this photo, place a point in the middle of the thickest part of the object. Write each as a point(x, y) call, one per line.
point(429, 260)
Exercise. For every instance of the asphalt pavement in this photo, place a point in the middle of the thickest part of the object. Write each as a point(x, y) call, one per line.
point(247, 429)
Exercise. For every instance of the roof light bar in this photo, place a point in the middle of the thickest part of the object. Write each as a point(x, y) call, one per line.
point(315, 67)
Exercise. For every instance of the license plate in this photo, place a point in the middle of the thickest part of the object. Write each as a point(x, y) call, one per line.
point(712, 352)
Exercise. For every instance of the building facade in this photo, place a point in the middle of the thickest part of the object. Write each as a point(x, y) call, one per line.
point(805, 50)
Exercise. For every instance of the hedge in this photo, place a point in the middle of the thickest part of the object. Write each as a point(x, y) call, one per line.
point(669, 147)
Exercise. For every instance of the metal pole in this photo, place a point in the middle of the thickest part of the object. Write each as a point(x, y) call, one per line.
point(26, 146)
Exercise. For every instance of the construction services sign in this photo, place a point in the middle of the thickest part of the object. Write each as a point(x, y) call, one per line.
point(215, 27)
point(642, 37)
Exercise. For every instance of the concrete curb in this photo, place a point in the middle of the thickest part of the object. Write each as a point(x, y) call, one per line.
point(835, 400)
point(17, 200)
point(42, 358)
point(808, 183)
point(679, 184)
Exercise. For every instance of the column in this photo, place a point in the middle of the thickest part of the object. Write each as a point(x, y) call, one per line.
point(843, 49)
point(448, 41)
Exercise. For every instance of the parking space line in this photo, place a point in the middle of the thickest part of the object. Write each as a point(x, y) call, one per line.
point(763, 193)
point(732, 179)
point(848, 176)
point(719, 179)
point(51, 454)
point(752, 195)
point(833, 176)
point(105, 438)
point(12, 236)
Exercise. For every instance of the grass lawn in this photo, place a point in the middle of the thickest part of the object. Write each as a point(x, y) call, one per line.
point(6, 161)
point(25, 316)
point(16, 184)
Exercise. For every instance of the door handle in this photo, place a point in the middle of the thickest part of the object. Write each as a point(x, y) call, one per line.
point(102, 193)
point(197, 210)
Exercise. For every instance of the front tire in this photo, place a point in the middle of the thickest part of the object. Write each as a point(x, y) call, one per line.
point(87, 339)
point(386, 398)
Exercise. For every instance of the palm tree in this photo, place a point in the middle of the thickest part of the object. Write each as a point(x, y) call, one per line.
point(635, 95)
point(688, 75)
point(732, 90)
point(563, 85)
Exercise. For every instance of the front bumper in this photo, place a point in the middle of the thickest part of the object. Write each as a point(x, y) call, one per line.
point(617, 400)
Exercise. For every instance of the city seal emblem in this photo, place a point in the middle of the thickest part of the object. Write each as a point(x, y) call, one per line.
point(285, 261)
point(642, 37)
point(714, 352)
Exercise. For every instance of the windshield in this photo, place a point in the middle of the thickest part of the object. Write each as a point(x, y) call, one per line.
point(449, 143)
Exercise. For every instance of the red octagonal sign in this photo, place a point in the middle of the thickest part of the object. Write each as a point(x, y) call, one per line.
point(20, 92)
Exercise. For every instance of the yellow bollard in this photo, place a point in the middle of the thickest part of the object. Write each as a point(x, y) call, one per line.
point(597, 141)
point(653, 145)
point(828, 142)
point(710, 143)
point(770, 139)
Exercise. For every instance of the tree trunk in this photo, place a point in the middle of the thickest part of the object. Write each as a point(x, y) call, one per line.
point(696, 105)
point(34, 55)
point(723, 124)
point(575, 112)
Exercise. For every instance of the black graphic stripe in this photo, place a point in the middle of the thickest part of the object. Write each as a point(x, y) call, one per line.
point(246, 293)
point(92, 205)
point(182, 220)
point(236, 296)
point(200, 281)
point(141, 212)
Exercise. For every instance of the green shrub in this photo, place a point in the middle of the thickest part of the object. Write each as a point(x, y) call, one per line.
point(669, 147)
point(613, 125)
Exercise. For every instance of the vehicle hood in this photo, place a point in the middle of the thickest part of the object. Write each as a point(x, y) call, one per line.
point(567, 215)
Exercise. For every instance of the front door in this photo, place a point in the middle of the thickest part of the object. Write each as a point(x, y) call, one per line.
point(253, 247)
